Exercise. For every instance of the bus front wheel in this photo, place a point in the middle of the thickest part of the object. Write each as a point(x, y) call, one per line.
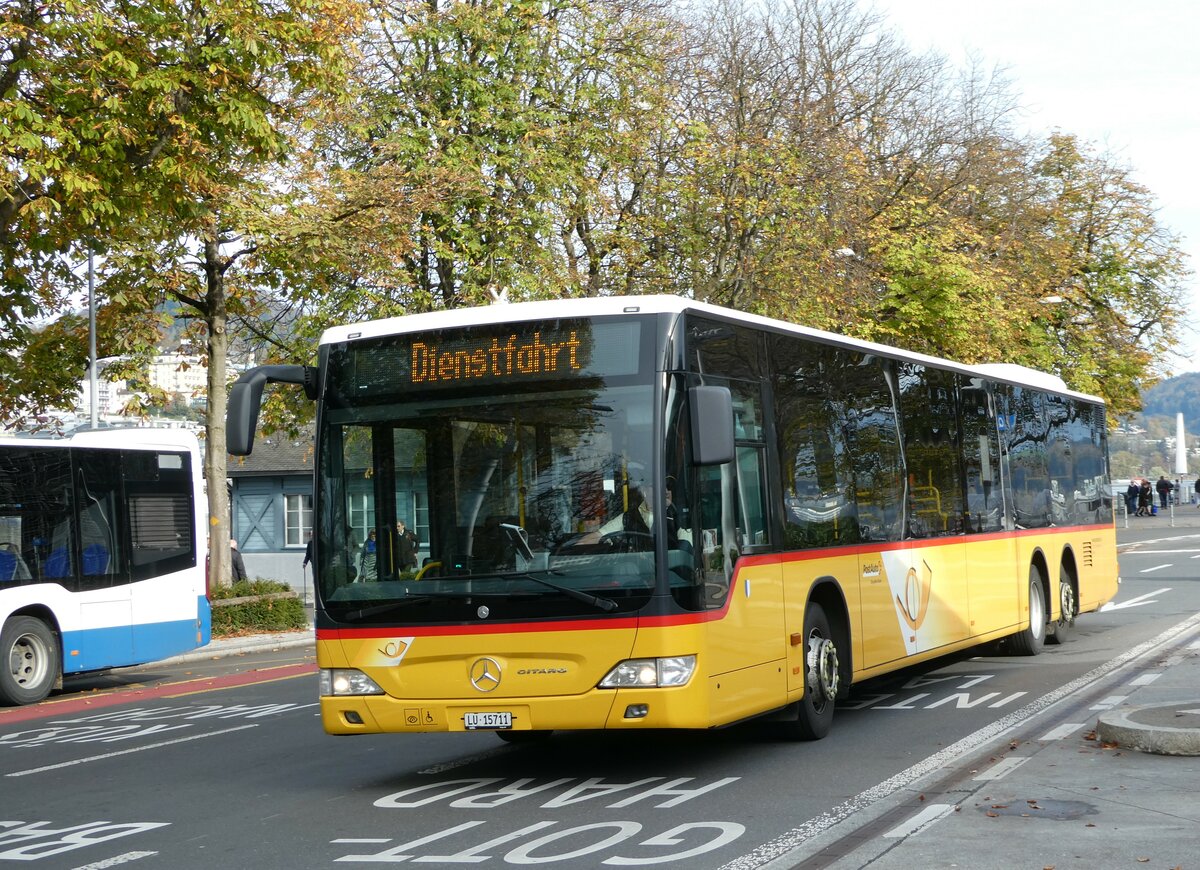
point(28, 661)
point(1029, 642)
point(821, 675)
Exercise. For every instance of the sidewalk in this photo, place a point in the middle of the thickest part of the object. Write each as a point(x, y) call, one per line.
point(230, 646)
point(1180, 516)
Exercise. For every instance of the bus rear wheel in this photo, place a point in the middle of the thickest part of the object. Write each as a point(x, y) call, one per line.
point(28, 661)
point(1068, 609)
point(1029, 642)
point(815, 710)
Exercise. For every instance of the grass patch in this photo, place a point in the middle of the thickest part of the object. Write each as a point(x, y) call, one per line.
point(270, 606)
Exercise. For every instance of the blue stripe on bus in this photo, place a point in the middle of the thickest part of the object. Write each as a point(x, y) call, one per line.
point(121, 646)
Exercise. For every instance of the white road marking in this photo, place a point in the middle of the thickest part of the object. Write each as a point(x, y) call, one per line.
point(1109, 702)
point(1062, 732)
point(1002, 768)
point(128, 751)
point(1134, 602)
point(920, 821)
point(1145, 679)
point(1155, 568)
point(115, 860)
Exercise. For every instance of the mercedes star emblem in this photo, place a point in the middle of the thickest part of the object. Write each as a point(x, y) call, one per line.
point(485, 674)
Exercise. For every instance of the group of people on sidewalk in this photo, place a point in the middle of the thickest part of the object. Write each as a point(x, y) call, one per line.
point(366, 558)
point(1139, 497)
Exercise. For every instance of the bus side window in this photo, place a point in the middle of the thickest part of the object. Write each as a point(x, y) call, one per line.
point(718, 536)
point(158, 491)
point(98, 492)
point(751, 466)
point(874, 440)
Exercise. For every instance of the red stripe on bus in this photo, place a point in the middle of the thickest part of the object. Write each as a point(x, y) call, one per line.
point(677, 619)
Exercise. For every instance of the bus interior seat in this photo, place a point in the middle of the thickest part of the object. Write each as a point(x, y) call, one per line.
point(8, 566)
point(95, 559)
point(58, 563)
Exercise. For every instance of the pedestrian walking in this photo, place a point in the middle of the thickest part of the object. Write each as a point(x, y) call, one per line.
point(1145, 499)
point(239, 567)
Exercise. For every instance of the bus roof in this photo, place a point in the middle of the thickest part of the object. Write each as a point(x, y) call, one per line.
point(128, 437)
point(669, 304)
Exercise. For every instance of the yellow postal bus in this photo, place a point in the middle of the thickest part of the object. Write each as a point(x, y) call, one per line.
point(647, 512)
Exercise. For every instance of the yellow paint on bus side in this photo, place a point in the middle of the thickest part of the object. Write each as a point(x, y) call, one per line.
point(900, 604)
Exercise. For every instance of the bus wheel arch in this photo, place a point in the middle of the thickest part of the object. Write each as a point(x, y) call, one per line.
point(828, 593)
point(1068, 600)
point(30, 659)
point(827, 664)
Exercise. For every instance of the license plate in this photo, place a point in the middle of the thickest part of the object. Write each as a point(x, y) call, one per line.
point(489, 721)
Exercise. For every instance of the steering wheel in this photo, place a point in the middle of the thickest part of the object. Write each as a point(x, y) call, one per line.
point(629, 541)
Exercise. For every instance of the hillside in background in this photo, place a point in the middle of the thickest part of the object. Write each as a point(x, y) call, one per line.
point(1172, 396)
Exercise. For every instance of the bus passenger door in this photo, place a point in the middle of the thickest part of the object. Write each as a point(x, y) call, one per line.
point(994, 599)
point(103, 635)
point(747, 644)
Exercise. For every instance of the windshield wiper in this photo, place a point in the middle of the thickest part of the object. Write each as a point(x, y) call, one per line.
point(605, 604)
point(394, 604)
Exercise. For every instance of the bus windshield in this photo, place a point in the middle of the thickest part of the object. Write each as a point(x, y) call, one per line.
point(486, 504)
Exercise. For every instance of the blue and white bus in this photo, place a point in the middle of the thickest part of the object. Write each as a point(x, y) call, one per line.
point(101, 559)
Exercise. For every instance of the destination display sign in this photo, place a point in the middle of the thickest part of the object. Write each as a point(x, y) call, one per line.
point(496, 358)
point(496, 354)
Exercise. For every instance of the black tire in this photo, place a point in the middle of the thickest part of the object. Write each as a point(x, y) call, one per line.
point(814, 715)
point(518, 738)
point(1068, 609)
point(29, 661)
point(1030, 641)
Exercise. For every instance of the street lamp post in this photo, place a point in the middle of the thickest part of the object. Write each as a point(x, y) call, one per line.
point(92, 379)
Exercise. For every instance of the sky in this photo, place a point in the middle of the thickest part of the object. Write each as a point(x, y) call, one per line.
point(1124, 76)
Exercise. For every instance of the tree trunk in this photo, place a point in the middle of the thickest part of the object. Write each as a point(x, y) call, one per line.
point(220, 562)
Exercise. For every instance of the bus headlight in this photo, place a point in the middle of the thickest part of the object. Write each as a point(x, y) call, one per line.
point(346, 681)
point(650, 673)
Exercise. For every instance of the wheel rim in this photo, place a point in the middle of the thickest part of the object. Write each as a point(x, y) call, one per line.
point(1066, 595)
point(28, 661)
point(1037, 610)
point(822, 676)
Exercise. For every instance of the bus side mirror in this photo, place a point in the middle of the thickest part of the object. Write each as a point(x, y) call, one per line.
point(712, 425)
point(245, 399)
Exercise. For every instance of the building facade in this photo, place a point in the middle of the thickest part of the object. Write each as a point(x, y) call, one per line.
point(271, 507)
